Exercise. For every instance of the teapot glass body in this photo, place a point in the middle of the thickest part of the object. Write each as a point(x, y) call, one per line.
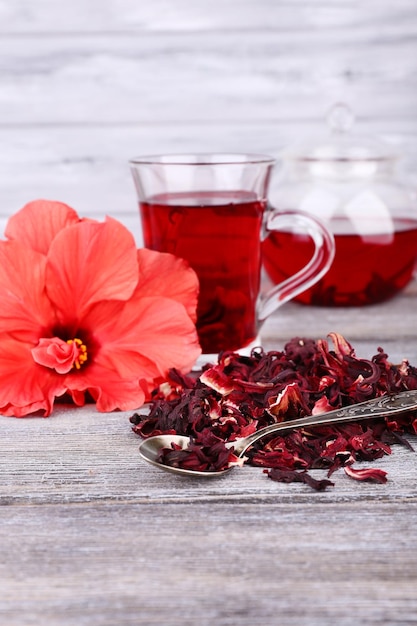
point(354, 188)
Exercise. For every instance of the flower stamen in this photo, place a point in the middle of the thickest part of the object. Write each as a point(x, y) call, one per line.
point(60, 355)
point(81, 355)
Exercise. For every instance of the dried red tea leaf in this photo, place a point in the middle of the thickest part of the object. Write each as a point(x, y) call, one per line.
point(241, 394)
point(208, 454)
point(290, 476)
point(368, 474)
point(218, 381)
point(289, 403)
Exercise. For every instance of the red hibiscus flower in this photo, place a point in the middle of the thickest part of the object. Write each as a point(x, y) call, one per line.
point(83, 311)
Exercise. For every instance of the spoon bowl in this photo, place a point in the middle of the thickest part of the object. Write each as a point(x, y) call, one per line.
point(150, 449)
point(383, 406)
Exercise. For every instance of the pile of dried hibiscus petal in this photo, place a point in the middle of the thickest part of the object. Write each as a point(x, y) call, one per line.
point(241, 394)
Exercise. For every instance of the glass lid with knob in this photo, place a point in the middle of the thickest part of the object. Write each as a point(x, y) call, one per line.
point(340, 142)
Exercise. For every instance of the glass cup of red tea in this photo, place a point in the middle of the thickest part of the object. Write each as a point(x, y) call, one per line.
point(212, 210)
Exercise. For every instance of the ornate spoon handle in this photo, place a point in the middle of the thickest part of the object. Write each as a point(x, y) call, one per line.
point(383, 406)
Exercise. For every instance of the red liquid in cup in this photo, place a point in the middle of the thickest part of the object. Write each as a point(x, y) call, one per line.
point(366, 269)
point(218, 233)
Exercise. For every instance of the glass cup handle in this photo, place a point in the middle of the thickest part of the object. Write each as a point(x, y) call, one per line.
point(311, 273)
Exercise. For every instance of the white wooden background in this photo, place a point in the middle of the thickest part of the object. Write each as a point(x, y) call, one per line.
point(86, 84)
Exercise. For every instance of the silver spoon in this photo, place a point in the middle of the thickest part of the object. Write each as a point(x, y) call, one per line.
point(383, 406)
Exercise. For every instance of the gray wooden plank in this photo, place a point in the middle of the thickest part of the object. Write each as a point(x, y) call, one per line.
point(390, 325)
point(78, 455)
point(211, 76)
point(93, 16)
point(87, 166)
point(223, 563)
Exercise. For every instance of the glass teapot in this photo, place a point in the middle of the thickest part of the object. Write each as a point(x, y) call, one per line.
point(351, 183)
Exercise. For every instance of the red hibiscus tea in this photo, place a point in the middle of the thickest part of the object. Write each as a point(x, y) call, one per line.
point(366, 269)
point(209, 209)
point(218, 233)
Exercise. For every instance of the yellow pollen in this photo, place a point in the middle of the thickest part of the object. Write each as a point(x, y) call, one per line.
point(82, 356)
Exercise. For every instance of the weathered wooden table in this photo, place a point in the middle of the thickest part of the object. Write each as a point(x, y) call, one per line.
point(90, 535)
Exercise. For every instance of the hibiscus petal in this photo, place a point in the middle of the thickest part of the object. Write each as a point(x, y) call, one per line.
point(144, 338)
point(38, 223)
point(26, 387)
point(90, 262)
point(128, 363)
point(25, 307)
point(163, 274)
point(167, 335)
point(107, 388)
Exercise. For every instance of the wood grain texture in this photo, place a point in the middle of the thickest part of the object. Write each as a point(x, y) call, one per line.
point(86, 86)
point(80, 456)
point(91, 16)
point(225, 563)
point(91, 535)
point(87, 167)
point(205, 76)
point(390, 325)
